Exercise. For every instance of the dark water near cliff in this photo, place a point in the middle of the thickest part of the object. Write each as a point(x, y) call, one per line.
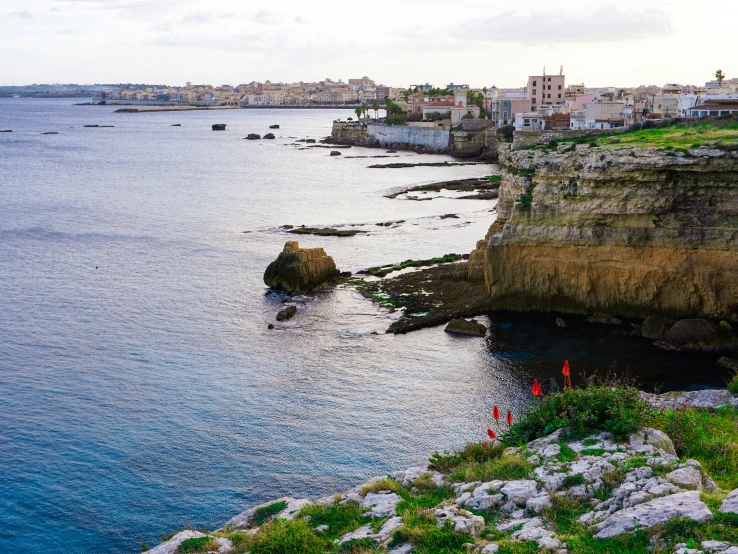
point(139, 387)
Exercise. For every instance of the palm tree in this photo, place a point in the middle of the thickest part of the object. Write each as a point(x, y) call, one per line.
point(719, 75)
point(358, 111)
point(621, 93)
point(365, 110)
point(375, 107)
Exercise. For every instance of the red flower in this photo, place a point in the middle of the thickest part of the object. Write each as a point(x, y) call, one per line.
point(491, 434)
point(536, 390)
point(566, 371)
point(509, 417)
point(496, 413)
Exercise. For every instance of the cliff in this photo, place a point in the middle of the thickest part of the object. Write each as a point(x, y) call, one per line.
point(615, 229)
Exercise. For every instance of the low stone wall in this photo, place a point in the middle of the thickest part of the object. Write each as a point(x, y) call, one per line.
point(399, 136)
point(476, 124)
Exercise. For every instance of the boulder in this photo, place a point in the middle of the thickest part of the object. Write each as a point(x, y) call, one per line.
point(463, 327)
point(219, 127)
point(382, 505)
point(310, 141)
point(655, 512)
point(696, 334)
point(300, 269)
point(253, 136)
point(654, 327)
point(520, 491)
point(269, 136)
point(274, 126)
point(335, 153)
point(561, 323)
point(730, 504)
point(287, 313)
point(728, 363)
point(176, 125)
point(604, 319)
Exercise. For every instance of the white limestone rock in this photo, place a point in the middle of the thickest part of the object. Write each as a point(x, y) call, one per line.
point(688, 477)
point(520, 491)
point(655, 512)
point(538, 503)
point(463, 521)
point(243, 519)
point(651, 437)
point(382, 505)
point(730, 504)
point(170, 546)
point(490, 548)
point(360, 533)
point(692, 399)
point(712, 546)
point(402, 549)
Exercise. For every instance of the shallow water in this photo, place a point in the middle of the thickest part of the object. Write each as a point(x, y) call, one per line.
point(140, 390)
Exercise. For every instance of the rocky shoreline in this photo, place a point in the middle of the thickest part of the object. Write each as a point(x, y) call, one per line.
point(634, 485)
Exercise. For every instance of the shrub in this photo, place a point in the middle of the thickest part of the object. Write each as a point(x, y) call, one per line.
point(573, 480)
point(263, 514)
point(506, 133)
point(505, 468)
point(385, 484)
point(616, 408)
point(200, 544)
point(478, 452)
point(733, 384)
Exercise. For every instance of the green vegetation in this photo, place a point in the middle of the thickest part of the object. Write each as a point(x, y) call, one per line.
point(385, 484)
point(566, 454)
point(382, 271)
point(615, 408)
point(340, 518)
point(473, 452)
point(505, 468)
point(708, 436)
point(573, 480)
point(325, 231)
point(284, 537)
point(733, 384)
point(261, 515)
point(200, 544)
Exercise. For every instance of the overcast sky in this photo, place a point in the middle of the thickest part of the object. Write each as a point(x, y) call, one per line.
point(396, 43)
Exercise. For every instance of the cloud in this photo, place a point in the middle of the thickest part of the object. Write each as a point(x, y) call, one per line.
point(23, 14)
point(197, 17)
point(603, 24)
point(265, 17)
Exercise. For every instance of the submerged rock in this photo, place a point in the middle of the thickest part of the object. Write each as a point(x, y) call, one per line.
point(335, 153)
point(654, 327)
point(286, 313)
point(696, 334)
point(463, 327)
point(561, 323)
point(274, 126)
point(219, 127)
point(728, 363)
point(253, 136)
point(300, 269)
point(269, 136)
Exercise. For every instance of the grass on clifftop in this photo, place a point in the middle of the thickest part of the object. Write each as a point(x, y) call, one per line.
point(708, 436)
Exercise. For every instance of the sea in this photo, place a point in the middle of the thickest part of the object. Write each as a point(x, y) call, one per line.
point(141, 390)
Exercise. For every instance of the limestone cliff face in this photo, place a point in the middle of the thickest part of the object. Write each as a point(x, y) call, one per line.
point(629, 231)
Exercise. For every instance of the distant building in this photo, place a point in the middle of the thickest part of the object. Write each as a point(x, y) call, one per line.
point(545, 90)
point(452, 86)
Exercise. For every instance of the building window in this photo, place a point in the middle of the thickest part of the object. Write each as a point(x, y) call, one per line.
point(559, 96)
point(526, 121)
point(559, 87)
point(549, 95)
point(549, 79)
point(549, 86)
point(534, 91)
point(534, 83)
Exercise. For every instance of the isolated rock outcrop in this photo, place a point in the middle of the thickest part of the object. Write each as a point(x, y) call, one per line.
point(696, 334)
point(300, 269)
point(464, 327)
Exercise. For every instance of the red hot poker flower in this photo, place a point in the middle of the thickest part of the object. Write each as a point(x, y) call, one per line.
point(536, 390)
point(491, 434)
point(496, 413)
point(509, 418)
point(566, 371)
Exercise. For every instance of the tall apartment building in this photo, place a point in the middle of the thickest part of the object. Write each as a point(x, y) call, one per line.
point(545, 90)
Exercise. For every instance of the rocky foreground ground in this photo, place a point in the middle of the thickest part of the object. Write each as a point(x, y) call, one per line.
point(612, 489)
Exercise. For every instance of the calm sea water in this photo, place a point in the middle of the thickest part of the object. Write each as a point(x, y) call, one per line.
point(140, 390)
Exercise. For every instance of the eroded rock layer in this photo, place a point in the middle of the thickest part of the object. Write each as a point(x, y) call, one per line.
point(300, 269)
point(629, 231)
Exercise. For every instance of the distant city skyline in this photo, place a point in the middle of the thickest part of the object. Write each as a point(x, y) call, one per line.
point(174, 41)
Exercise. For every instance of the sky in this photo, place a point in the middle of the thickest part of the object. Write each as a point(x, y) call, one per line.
point(480, 43)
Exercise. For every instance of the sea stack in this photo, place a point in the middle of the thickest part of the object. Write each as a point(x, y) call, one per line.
point(300, 269)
